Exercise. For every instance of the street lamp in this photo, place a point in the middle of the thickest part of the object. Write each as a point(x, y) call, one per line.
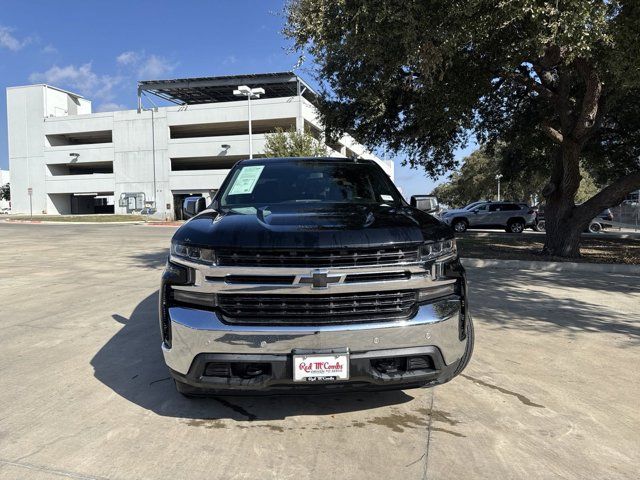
point(244, 91)
point(498, 177)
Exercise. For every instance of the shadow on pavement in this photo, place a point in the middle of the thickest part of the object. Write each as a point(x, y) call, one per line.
point(510, 299)
point(156, 259)
point(132, 365)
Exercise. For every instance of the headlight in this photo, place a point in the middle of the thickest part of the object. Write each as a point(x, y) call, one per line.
point(430, 251)
point(194, 254)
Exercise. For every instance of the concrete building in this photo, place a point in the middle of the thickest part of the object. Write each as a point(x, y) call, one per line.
point(72, 161)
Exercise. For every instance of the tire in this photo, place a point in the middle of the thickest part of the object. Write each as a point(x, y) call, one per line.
point(515, 226)
point(540, 226)
point(468, 352)
point(459, 225)
point(595, 227)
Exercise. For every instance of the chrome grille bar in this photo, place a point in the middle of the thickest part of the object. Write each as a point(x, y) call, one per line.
point(243, 308)
point(314, 258)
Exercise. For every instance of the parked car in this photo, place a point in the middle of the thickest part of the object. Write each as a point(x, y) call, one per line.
point(426, 203)
point(312, 274)
point(5, 211)
point(602, 221)
point(513, 217)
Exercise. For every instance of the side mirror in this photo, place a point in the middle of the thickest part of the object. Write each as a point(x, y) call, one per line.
point(426, 203)
point(193, 206)
point(475, 210)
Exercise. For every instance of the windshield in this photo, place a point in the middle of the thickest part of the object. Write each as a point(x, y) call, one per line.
point(258, 185)
point(472, 205)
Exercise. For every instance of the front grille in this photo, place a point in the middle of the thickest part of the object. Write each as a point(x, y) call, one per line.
point(319, 258)
point(317, 309)
point(290, 279)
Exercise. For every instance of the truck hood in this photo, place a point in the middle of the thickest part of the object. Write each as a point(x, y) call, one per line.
point(297, 226)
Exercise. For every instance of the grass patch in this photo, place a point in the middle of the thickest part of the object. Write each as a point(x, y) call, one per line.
point(528, 247)
point(79, 218)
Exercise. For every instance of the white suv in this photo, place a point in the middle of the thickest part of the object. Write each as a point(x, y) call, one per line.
point(513, 217)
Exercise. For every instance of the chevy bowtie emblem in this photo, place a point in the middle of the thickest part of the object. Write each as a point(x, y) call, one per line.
point(319, 279)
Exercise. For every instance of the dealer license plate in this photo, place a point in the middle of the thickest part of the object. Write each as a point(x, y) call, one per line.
point(321, 367)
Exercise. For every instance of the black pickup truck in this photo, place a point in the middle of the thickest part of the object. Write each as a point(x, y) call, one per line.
point(312, 274)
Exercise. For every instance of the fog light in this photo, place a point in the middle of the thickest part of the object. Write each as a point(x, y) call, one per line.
point(435, 292)
point(194, 298)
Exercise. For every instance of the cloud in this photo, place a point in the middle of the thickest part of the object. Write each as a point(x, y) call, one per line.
point(148, 66)
point(49, 49)
point(230, 60)
point(127, 58)
point(8, 41)
point(154, 67)
point(111, 107)
point(80, 78)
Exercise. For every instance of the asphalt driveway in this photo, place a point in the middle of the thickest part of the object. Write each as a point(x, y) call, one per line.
point(552, 390)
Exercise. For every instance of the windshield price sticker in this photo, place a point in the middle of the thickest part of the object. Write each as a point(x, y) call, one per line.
point(246, 180)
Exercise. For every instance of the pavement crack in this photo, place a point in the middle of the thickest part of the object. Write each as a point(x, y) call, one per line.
point(237, 408)
point(60, 473)
point(416, 461)
point(519, 396)
point(426, 453)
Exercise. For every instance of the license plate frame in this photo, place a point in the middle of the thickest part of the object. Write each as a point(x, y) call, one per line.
point(321, 366)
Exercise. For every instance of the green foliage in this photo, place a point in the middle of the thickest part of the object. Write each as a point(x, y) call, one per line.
point(476, 180)
point(416, 76)
point(588, 187)
point(293, 144)
point(5, 192)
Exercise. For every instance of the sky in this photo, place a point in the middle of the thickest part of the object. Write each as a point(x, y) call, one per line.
point(101, 49)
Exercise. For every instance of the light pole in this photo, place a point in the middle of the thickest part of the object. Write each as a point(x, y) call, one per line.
point(244, 91)
point(153, 151)
point(498, 177)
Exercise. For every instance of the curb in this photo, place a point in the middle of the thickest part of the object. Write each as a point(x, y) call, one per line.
point(163, 224)
point(53, 222)
point(133, 222)
point(602, 235)
point(551, 266)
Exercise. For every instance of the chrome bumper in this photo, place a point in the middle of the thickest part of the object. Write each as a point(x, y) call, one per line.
point(198, 331)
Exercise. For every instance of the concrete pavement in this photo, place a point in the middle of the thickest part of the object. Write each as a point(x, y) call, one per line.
point(551, 391)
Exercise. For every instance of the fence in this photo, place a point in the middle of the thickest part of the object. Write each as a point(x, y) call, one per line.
point(627, 215)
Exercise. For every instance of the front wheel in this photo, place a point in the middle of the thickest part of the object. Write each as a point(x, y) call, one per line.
point(595, 227)
point(516, 226)
point(459, 226)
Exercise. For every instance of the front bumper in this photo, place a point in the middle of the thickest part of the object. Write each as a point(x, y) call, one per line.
point(198, 337)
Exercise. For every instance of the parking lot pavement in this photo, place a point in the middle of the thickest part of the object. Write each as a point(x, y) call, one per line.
point(551, 391)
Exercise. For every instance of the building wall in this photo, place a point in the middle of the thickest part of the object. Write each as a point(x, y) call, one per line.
point(66, 154)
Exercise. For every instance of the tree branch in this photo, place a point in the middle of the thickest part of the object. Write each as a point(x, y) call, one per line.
point(562, 104)
point(530, 83)
point(610, 196)
point(591, 100)
point(552, 133)
point(546, 77)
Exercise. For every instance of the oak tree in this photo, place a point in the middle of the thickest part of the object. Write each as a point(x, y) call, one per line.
point(560, 77)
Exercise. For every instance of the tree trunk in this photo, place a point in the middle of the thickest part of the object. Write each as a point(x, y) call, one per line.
point(563, 237)
point(563, 226)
